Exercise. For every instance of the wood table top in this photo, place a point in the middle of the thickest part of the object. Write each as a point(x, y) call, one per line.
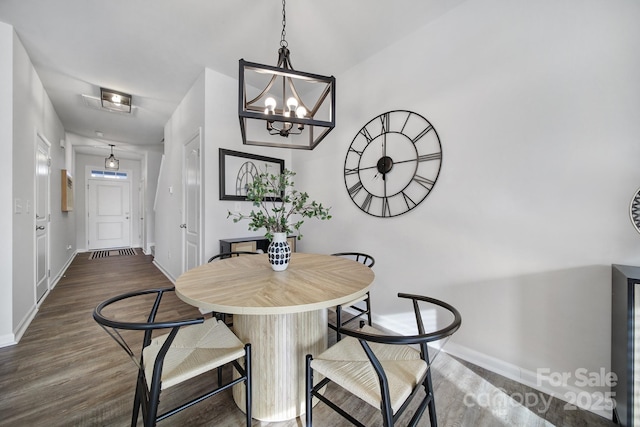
point(248, 285)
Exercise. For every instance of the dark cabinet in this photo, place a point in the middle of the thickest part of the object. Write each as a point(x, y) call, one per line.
point(625, 342)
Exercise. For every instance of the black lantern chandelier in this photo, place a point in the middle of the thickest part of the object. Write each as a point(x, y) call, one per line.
point(293, 110)
point(111, 163)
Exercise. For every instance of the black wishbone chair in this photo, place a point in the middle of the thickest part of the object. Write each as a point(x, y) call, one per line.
point(225, 255)
point(386, 371)
point(190, 348)
point(354, 305)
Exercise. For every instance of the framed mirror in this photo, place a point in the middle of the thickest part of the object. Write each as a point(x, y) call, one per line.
point(238, 169)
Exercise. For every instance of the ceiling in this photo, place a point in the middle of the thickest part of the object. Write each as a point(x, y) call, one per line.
point(156, 49)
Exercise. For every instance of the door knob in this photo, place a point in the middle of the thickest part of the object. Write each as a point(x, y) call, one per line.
point(40, 227)
point(183, 225)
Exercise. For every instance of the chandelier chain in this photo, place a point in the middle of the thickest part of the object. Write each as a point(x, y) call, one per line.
point(283, 42)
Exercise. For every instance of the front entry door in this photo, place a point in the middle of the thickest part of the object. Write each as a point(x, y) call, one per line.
point(109, 214)
point(42, 216)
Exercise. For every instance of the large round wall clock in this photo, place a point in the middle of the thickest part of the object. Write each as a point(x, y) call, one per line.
point(634, 210)
point(393, 163)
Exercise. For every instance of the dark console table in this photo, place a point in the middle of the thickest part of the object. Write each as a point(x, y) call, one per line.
point(251, 244)
point(625, 342)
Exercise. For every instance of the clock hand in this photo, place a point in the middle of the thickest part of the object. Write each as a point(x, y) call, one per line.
point(384, 155)
point(405, 161)
point(385, 186)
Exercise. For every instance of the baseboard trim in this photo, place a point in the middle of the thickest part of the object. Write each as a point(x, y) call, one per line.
point(26, 321)
point(150, 249)
point(7, 340)
point(163, 271)
point(13, 339)
point(63, 270)
point(581, 398)
point(584, 399)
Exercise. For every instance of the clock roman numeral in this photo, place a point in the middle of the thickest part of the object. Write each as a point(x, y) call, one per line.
point(355, 189)
point(426, 183)
point(365, 132)
point(351, 171)
point(384, 122)
point(405, 122)
point(427, 157)
point(423, 133)
point(386, 210)
point(366, 204)
point(409, 201)
point(353, 150)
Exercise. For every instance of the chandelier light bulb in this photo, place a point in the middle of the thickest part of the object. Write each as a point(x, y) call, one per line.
point(292, 103)
point(301, 112)
point(270, 105)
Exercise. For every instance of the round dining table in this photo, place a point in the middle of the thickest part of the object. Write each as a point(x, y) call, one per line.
point(283, 314)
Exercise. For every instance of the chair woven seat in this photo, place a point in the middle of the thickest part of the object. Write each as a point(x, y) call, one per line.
point(386, 371)
point(195, 350)
point(191, 348)
point(347, 365)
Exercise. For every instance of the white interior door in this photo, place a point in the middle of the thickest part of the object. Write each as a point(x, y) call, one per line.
point(109, 214)
point(142, 229)
point(191, 209)
point(42, 210)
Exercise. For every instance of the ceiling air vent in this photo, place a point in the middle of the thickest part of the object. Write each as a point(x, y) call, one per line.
point(92, 102)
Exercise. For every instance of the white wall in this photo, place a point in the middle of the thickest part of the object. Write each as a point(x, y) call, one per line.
point(6, 185)
point(31, 112)
point(63, 224)
point(537, 106)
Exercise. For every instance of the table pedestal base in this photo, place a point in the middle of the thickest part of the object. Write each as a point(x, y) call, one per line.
point(279, 344)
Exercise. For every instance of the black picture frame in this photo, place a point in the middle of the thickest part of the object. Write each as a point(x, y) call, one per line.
point(236, 169)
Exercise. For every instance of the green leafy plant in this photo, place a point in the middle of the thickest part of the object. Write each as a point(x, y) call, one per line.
point(273, 213)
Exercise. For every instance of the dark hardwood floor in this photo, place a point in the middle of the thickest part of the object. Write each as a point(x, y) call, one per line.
point(66, 371)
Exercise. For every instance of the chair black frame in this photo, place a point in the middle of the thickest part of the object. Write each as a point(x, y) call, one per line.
point(148, 399)
point(369, 261)
point(422, 339)
point(225, 255)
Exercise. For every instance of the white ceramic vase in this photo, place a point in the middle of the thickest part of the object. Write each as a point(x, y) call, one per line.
point(279, 252)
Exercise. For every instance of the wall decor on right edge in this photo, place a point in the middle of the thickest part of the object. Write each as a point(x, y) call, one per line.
point(634, 210)
point(392, 163)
